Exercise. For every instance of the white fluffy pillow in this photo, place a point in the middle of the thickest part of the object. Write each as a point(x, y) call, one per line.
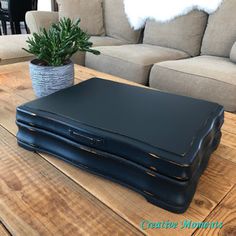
point(138, 11)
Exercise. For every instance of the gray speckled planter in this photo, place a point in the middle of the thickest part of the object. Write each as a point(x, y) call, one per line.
point(50, 79)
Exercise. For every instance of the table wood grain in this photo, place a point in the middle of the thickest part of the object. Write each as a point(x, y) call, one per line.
point(41, 195)
point(3, 230)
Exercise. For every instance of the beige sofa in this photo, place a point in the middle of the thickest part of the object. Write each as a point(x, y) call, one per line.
point(189, 55)
point(212, 74)
point(117, 28)
point(118, 32)
point(178, 39)
point(207, 70)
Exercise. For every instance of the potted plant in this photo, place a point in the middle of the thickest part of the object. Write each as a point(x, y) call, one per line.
point(52, 69)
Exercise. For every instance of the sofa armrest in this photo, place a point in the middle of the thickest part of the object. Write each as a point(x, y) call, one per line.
point(233, 53)
point(36, 20)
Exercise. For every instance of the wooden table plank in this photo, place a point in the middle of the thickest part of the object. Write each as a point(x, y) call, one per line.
point(230, 123)
point(9, 102)
point(22, 66)
point(84, 73)
point(226, 152)
point(37, 199)
point(219, 178)
point(216, 182)
point(225, 212)
point(3, 230)
point(229, 139)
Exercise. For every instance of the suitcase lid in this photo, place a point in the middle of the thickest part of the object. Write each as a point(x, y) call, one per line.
point(169, 128)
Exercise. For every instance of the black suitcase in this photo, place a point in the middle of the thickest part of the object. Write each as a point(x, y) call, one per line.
point(156, 143)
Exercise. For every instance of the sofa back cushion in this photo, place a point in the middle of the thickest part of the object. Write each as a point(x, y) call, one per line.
point(183, 33)
point(220, 33)
point(116, 22)
point(90, 12)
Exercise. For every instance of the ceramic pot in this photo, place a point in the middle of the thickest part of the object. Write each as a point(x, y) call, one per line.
point(50, 79)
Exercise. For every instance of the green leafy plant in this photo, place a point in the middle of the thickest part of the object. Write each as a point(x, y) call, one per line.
point(56, 46)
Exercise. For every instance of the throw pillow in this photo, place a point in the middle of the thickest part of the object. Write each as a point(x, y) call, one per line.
point(183, 33)
point(233, 53)
point(220, 33)
point(90, 12)
point(116, 22)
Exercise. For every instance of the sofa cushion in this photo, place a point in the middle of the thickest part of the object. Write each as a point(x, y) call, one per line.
point(233, 53)
point(183, 33)
point(205, 77)
point(11, 49)
point(132, 62)
point(116, 22)
point(79, 57)
point(90, 12)
point(220, 33)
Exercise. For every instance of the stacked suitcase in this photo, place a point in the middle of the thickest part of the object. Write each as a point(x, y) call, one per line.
point(155, 143)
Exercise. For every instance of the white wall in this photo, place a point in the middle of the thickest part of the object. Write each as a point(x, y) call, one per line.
point(44, 5)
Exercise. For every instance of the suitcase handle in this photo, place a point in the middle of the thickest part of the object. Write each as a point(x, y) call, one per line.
point(84, 137)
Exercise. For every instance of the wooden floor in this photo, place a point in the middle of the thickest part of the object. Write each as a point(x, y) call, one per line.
point(41, 195)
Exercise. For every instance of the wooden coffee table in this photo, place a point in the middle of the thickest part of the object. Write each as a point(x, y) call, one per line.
point(41, 195)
